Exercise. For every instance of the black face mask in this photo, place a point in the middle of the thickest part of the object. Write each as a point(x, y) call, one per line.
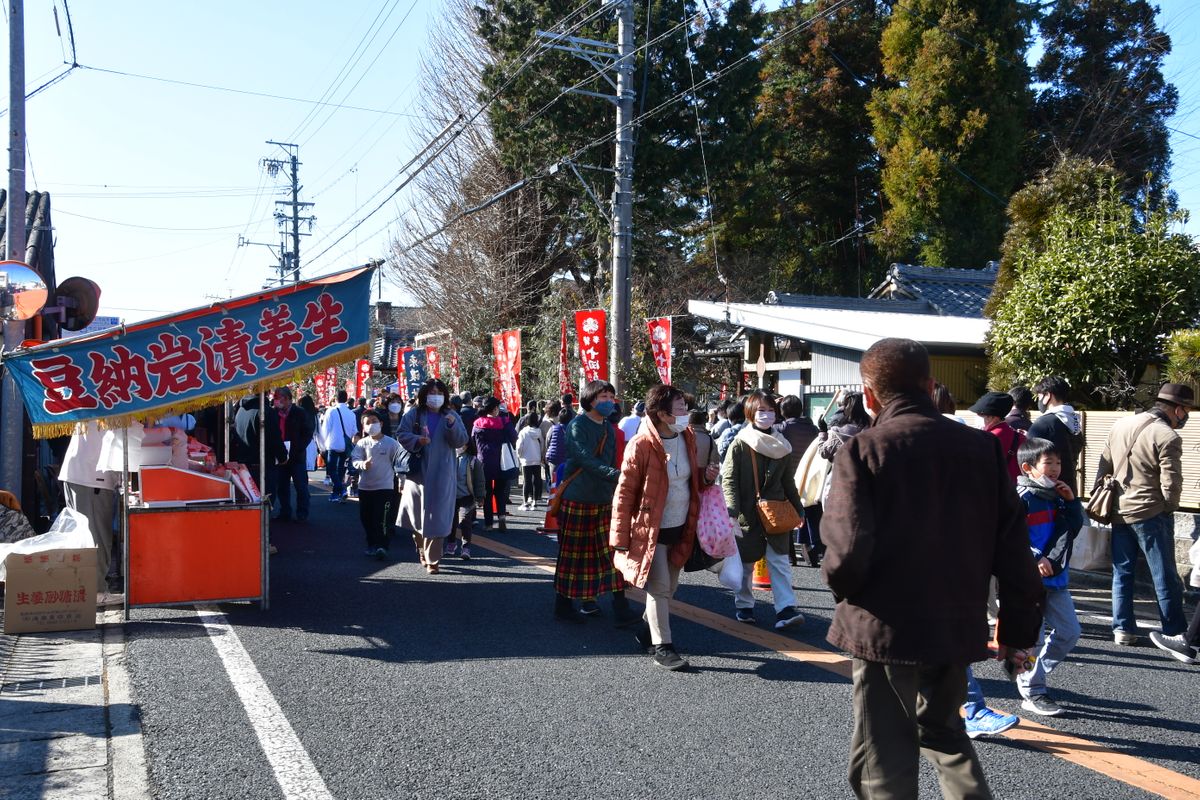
point(1042, 405)
point(1179, 423)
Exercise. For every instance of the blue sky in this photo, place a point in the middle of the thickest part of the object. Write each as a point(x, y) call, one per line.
point(154, 182)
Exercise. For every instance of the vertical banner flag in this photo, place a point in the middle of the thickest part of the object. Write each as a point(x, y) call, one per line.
point(433, 364)
point(362, 377)
point(454, 362)
point(591, 334)
point(331, 385)
point(506, 357)
point(350, 386)
point(321, 383)
point(564, 372)
point(414, 371)
point(724, 391)
point(401, 376)
point(660, 346)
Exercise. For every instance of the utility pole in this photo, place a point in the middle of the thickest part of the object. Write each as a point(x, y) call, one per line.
point(289, 261)
point(606, 58)
point(620, 350)
point(12, 413)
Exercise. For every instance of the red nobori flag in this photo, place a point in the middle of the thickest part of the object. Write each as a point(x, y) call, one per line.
point(454, 361)
point(330, 385)
point(319, 381)
point(660, 346)
point(362, 377)
point(433, 363)
point(564, 372)
point(591, 333)
point(506, 357)
point(401, 374)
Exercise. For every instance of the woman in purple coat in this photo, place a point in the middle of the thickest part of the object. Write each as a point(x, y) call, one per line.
point(492, 430)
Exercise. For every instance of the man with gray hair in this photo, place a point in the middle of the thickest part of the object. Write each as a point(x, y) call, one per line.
point(912, 540)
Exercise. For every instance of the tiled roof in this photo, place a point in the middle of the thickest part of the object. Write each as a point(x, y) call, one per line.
point(948, 291)
point(886, 304)
point(402, 323)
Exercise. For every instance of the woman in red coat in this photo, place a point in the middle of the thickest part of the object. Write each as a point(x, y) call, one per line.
point(655, 509)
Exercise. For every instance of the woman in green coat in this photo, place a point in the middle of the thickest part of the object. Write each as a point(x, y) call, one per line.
point(758, 449)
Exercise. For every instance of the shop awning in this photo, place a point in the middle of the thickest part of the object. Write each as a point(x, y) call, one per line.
point(194, 358)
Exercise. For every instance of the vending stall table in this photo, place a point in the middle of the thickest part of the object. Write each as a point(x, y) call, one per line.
point(195, 531)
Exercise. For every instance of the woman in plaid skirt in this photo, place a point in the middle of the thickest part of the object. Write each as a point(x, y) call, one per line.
point(585, 563)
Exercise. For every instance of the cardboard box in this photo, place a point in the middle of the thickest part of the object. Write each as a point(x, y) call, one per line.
point(52, 590)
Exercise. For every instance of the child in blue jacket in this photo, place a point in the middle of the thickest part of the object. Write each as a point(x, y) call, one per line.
point(1054, 517)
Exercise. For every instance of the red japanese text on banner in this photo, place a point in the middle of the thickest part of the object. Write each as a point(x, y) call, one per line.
point(454, 362)
point(497, 360)
point(433, 363)
point(512, 369)
point(401, 376)
point(660, 346)
point(362, 378)
point(564, 372)
point(322, 387)
point(591, 336)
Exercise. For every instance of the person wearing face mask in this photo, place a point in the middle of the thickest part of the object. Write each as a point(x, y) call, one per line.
point(494, 429)
point(920, 515)
point(584, 568)
point(993, 407)
point(1060, 424)
point(757, 465)
point(296, 429)
point(377, 458)
point(390, 411)
point(431, 433)
point(657, 503)
point(1144, 456)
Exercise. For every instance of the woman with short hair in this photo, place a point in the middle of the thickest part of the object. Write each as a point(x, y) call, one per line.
point(757, 466)
point(494, 429)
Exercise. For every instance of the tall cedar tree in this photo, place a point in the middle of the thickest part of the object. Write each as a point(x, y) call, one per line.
point(950, 127)
point(807, 204)
point(1105, 97)
point(535, 127)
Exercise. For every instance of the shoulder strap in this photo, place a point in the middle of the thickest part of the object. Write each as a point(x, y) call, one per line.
point(1016, 443)
point(754, 468)
point(1132, 443)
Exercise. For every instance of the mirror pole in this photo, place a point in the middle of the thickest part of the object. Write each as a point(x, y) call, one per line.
point(12, 413)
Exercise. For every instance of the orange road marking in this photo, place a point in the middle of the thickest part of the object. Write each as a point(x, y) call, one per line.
point(1127, 769)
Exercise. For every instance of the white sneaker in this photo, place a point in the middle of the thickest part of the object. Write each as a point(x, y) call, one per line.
point(1126, 638)
point(109, 600)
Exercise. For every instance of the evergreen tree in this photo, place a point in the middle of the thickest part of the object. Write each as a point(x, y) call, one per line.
point(810, 192)
point(950, 127)
point(1106, 98)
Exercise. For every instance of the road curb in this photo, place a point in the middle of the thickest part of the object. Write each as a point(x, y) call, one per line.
point(128, 777)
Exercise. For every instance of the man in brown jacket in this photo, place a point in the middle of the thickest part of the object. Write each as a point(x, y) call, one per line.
point(920, 515)
point(1144, 455)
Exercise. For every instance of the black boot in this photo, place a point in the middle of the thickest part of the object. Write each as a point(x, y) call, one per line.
point(623, 615)
point(565, 611)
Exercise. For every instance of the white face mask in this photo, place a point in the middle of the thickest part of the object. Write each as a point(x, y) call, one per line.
point(764, 419)
point(372, 428)
point(394, 408)
point(1044, 481)
point(435, 401)
point(679, 424)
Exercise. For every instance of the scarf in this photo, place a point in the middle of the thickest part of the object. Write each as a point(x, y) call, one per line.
point(765, 444)
point(1029, 485)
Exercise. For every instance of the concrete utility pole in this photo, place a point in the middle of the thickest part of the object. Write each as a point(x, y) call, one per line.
point(606, 58)
point(12, 413)
point(620, 351)
point(289, 261)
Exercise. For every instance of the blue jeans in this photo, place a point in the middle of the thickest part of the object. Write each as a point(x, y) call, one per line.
point(1060, 619)
point(976, 702)
point(335, 468)
point(1155, 537)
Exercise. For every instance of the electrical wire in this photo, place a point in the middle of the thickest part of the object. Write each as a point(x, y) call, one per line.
point(712, 225)
point(145, 227)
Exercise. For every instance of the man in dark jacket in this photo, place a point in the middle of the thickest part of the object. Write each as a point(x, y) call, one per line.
point(800, 432)
point(1060, 424)
point(920, 514)
point(245, 442)
point(296, 429)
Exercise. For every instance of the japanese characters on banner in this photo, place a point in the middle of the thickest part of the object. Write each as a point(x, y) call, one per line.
point(660, 346)
point(362, 378)
point(433, 363)
point(506, 355)
point(564, 371)
point(414, 372)
point(591, 333)
point(321, 384)
point(331, 386)
point(454, 362)
point(185, 360)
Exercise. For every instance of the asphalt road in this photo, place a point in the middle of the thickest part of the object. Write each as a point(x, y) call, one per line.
point(461, 685)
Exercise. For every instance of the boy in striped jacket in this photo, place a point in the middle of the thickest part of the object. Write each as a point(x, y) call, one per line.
point(1054, 517)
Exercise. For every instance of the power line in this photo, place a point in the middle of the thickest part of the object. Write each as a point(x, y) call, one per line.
point(144, 227)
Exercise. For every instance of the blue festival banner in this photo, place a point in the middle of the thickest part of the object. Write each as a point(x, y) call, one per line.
point(194, 358)
point(414, 371)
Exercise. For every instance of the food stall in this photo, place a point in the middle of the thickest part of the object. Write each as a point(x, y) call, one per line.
point(194, 530)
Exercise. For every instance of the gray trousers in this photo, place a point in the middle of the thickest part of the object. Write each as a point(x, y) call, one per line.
point(901, 711)
point(98, 506)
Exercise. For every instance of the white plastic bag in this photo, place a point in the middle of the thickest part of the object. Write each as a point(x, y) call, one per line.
point(1092, 549)
point(1194, 557)
point(731, 573)
point(69, 531)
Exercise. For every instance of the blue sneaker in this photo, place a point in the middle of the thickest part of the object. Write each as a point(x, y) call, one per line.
point(988, 722)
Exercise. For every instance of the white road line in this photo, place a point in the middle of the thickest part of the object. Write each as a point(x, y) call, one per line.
point(294, 770)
